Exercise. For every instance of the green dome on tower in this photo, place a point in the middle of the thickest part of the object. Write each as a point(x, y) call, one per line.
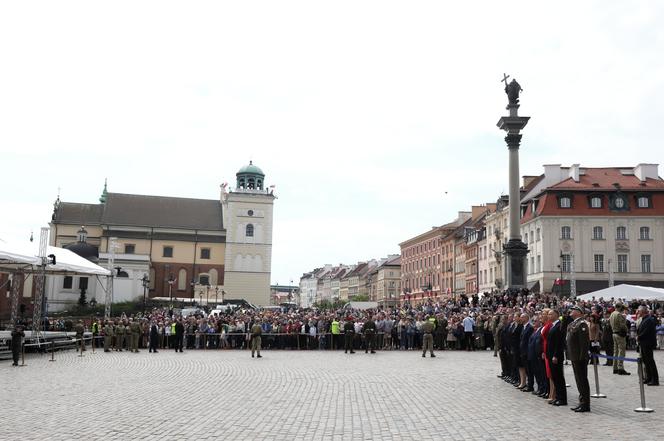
point(250, 177)
point(251, 169)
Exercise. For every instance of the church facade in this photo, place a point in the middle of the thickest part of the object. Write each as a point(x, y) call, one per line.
point(175, 248)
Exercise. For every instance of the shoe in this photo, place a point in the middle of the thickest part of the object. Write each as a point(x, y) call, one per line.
point(581, 409)
point(652, 383)
point(155, 352)
point(552, 401)
point(345, 352)
point(623, 372)
point(352, 352)
point(559, 403)
point(373, 352)
point(528, 389)
point(252, 355)
point(423, 355)
point(433, 356)
point(14, 364)
point(259, 356)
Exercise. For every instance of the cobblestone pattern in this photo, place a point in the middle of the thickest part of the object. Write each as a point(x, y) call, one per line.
point(292, 395)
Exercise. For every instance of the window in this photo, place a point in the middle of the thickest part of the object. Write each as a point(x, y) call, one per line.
point(83, 282)
point(598, 233)
point(204, 279)
point(567, 263)
point(130, 248)
point(565, 202)
point(595, 202)
point(68, 282)
point(526, 239)
point(182, 279)
point(644, 233)
point(539, 263)
point(566, 232)
point(250, 230)
point(539, 235)
point(619, 203)
point(645, 263)
point(622, 263)
point(532, 265)
point(205, 253)
point(621, 233)
point(599, 263)
point(168, 252)
point(214, 277)
point(643, 202)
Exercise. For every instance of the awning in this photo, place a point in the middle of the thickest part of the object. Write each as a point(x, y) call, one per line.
point(534, 286)
point(23, 258)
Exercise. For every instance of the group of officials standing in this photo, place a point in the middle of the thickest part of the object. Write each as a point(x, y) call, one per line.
point(533, 350)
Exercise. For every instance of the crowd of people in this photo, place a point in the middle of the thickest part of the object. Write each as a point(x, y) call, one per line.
point(533, 334)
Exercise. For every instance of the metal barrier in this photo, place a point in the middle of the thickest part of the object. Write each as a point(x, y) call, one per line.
point(639, 363)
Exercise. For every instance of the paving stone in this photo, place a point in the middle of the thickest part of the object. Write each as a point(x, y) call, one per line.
point(291, 395)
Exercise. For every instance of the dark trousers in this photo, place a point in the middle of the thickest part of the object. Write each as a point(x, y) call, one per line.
point(469, 341)
point(530, 373)
point(348, 341)
point(153, 343)
point(539, 369)
point(370, 341)
point(504, 363)
point(16, 351)
point(177, 343)
point(581, 376)
point(559, 380)
point(649, 367)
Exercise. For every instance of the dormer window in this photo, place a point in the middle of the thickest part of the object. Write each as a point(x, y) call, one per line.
point(643, 202)
point(595, 202)
point(565, 202)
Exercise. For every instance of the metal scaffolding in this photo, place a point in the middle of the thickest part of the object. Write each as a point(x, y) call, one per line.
point(40, 282)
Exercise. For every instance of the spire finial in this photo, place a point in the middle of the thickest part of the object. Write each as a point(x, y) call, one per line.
point(104, 193)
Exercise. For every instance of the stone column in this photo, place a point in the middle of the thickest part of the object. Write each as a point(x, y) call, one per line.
point(515, 250)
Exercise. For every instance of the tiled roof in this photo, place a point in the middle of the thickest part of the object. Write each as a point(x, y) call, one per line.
point(145, 211)
point(605, 178)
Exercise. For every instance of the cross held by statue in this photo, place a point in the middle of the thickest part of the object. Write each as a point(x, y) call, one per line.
point(504, 80)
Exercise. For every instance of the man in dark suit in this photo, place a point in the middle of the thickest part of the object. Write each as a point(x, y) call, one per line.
point(505, 356)
point(578, 345)
point(531, 367)
point(647, 338)
point(515, 348)
point(525, 373)
point(539, 366)
point(555, 352)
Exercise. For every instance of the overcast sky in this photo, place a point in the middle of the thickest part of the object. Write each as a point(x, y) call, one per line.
point(375, 120)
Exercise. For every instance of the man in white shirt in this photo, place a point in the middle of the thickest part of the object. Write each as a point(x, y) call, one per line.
point(468, 327)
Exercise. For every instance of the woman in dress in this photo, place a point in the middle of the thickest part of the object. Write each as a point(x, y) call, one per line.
point(545, 333)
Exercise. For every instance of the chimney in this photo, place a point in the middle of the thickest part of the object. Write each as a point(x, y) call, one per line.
point(574, 172)
point(552, 174)
point(645, 171)
point(527, 180)
point(478, 210)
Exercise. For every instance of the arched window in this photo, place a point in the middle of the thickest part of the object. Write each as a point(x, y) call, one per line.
point(213, 277)
point(598, 233)
point(566, 232)
point(250, 230)
point(644, 233)
point(240, 183)
point(621, 233)
point(182, 279)
point(251, 184)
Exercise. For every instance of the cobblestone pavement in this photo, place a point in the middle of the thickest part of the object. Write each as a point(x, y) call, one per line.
point(291, 395)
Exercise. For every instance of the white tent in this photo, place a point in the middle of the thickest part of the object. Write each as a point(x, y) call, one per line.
point(626, 292)
point(18, 257)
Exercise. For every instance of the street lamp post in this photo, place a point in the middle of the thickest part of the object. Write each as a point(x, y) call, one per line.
point(146, 283)
point(171, 280)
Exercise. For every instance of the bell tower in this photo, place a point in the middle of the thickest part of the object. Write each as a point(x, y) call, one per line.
point(247, 212)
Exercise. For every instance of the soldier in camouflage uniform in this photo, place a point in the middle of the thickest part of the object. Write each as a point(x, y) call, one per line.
point(119, 333)
point(108, 335)
point(135, 329)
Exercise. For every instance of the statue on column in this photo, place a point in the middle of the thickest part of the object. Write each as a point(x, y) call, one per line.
point(512, 90)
